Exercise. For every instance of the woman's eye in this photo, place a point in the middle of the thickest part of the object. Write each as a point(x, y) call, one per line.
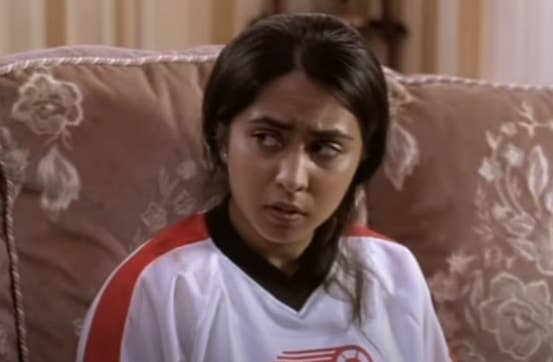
point(267, 140)
point(326, 149)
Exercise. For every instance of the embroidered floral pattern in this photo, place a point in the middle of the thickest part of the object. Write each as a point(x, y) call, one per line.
point(527, 227)
point(14, 159)
point(480, 292)
point(521, 316)
point(402, 154)
point(48, 106)
point(59, 180)
point(188, 169)
point(445, 287)
point(176, 199)
point(155, 217)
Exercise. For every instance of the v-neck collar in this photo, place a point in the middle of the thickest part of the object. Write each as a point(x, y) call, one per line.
point(294, 290)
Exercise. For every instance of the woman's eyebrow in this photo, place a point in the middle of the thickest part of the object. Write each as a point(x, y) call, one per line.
point(272, 122)
point(288, 126)
point(332, 134)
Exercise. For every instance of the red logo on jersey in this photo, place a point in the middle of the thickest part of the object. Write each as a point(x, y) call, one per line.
point(348, 353)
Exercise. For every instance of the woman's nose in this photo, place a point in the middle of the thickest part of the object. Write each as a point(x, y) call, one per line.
point(293, 174)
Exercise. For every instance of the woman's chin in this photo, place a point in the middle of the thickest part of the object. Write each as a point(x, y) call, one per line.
point(285, 235)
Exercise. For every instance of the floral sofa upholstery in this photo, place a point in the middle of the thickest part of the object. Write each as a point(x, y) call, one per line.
point(100, 148)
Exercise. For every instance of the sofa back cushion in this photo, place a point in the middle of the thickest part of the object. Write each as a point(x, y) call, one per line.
point(467, 185)
point(103, 148)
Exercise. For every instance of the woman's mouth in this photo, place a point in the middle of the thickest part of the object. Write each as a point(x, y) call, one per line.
point(284, 213)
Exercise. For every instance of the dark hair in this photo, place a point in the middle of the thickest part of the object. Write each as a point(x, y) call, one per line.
point(330, 53)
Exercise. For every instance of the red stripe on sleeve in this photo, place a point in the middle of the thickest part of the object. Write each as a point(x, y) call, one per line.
point(108, 324)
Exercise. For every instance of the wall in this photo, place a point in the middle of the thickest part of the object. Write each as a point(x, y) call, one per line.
point(497, 40)
point(500, 40)
point(159, 24)
point(518, 44)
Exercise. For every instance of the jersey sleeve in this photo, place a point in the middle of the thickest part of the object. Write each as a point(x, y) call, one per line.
point(435, 348)
point(133, 318)
point(129, 329)
point(409, 299)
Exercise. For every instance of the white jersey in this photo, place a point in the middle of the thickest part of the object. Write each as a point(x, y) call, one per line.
point(181, 298)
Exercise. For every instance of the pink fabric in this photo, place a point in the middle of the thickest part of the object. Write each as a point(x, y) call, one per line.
point(102, 147)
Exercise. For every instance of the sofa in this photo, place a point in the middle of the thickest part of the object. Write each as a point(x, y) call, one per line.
point(100, 148)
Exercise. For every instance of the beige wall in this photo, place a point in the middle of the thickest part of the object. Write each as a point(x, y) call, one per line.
point(444, 37)
point(504, 40)
point(497, 40)
point(151, 24)
point(21, 24)
point(517, 44)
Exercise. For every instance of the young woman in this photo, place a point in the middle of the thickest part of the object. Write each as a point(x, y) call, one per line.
point(296, 113)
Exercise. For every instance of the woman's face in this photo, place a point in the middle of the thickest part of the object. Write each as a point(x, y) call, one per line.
point(291, 156)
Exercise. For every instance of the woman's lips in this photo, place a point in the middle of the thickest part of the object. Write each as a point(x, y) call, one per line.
point(285, 213)
point(287, 207)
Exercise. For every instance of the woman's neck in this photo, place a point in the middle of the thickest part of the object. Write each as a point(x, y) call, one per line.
point(283, 256)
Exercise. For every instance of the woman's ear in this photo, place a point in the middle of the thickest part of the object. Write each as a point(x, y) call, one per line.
point(222, 135)
point(223, 154)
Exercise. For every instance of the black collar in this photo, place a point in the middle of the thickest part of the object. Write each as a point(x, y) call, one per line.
point(293, 290)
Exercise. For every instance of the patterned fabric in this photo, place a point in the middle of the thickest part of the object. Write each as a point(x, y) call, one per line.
point(101, 154)
point(467, 186)
point(102, 149)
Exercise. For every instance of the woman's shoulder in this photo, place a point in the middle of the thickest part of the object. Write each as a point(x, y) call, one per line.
point(388, 260)
point(182, 249)
point(373, 242)
point(185, 246)
point(179, 261)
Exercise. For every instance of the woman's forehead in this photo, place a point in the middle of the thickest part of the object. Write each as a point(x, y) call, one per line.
point(295, 101)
